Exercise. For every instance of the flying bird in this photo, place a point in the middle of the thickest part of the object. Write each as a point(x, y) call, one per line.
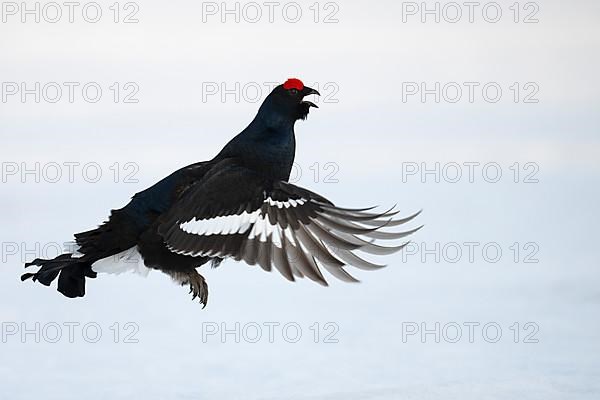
point(238, 205)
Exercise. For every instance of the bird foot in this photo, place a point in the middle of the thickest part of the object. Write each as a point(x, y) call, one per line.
point(199, 288)
point(197, 283)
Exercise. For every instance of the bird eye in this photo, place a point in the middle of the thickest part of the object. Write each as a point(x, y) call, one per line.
point(294, 91)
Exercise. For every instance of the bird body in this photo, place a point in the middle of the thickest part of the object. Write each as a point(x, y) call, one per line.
point(238, 205)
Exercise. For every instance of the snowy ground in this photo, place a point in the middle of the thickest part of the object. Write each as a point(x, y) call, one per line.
point(362, 353)
point(138, 337)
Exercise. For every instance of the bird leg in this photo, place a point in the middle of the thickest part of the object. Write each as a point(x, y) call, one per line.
point(197, 283)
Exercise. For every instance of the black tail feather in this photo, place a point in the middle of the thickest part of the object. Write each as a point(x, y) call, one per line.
point(71, 273)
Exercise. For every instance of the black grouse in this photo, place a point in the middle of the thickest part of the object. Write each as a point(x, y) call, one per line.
point(238, 205)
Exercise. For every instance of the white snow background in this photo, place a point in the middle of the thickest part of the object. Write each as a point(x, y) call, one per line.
point(368, 134)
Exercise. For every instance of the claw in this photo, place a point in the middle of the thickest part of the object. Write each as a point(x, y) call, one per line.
point(198, 288)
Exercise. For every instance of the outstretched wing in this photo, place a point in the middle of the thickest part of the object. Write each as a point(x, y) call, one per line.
point(235, 213)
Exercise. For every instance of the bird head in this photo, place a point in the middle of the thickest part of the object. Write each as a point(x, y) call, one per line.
point(286, 102)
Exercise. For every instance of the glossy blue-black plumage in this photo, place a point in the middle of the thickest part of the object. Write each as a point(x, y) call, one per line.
point(266, 146)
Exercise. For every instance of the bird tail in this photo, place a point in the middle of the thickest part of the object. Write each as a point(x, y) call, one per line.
point(71, 272)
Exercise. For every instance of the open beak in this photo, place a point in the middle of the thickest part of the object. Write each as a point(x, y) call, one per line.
point(307, 92)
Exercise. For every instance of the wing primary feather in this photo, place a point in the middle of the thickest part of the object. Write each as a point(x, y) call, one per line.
point(392, 222)
point(348, 241)
point(391, 235)
point(279, 260)
point(329, 262)
point(371, 248)
point(299, 259)
point(339, 272)
point(315, 248)
point(284, 248)
point(352, 259)
point(249, 251)
point(352, 210)
point(264, 255)
point(375, 233)
point(341, 225)
point(358, 216)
